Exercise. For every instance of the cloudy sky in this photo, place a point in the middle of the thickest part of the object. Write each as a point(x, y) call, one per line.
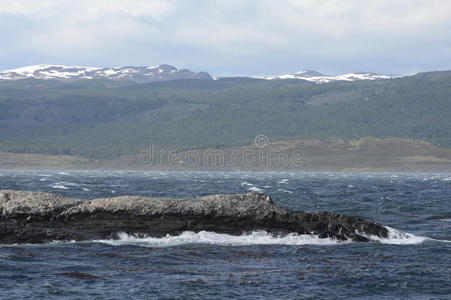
point(230, 37)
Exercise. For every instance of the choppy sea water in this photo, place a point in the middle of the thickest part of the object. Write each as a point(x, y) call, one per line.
point(208, 265)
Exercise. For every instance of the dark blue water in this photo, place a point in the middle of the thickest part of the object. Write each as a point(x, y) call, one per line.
point(258, 266)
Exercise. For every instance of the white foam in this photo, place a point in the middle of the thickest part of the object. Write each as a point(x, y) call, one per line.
point(213, 238)
point(59, 186)
point(255, 189)
point(69, 183)
point(251, 188)
point(397, 237)
point(283, 181)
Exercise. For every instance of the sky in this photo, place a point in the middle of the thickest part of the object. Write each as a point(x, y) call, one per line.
point(230, 37)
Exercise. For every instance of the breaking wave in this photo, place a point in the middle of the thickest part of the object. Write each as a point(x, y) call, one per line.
point(213, 238)
point(255, 238)
point(62, 185)
point(397, 237)
point(59, 186)
point(251, 187)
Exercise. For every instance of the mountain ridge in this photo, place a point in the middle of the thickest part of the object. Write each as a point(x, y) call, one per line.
point(164, 72)
point(317, 77)
point(141, 74)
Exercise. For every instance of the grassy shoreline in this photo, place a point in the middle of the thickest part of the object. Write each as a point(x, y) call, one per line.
point(363, 155)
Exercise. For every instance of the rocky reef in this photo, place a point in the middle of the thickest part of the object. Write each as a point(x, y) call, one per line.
point(32, 217)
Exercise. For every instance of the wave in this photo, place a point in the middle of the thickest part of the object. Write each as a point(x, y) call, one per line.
point(252, 188)
point(395, 237)
point(283, 181)
point(59, 186)
point(64, 185)
point(213, 238)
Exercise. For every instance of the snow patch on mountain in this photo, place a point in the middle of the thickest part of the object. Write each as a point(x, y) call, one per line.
point(159, 73)
point(317, 77)
point(132, 73)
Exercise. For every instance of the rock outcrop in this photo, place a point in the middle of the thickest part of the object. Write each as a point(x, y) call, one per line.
point(31, 217)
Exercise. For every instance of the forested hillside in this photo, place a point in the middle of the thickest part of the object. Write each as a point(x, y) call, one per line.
point(107, 119)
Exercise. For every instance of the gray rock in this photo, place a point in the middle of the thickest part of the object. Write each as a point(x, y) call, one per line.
point(31, 217)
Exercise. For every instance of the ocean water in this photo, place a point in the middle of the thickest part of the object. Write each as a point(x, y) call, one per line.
point(414, 263)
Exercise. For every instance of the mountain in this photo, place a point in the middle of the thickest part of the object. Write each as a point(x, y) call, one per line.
point(317, 77)
point(160, 73)
point(129, 73)
point(163, 72)
point(99, 119)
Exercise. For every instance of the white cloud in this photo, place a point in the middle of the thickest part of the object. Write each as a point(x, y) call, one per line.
point(303, 30)
point(83, 27)
point(92, 8)
point(28, 8)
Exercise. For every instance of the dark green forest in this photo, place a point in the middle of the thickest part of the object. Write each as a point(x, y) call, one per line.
point(107, 119)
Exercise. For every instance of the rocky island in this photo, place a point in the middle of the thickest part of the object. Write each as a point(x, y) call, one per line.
point(33, 217)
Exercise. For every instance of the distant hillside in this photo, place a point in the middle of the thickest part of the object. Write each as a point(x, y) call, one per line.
point(367, 154)
point(107, 119)
point(25, 161)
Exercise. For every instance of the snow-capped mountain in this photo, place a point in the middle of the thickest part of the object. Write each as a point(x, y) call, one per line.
point(159, 73)
point(71, 73)
point(317, 77)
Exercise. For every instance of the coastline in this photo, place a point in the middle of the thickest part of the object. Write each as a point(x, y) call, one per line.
point(336, 155)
